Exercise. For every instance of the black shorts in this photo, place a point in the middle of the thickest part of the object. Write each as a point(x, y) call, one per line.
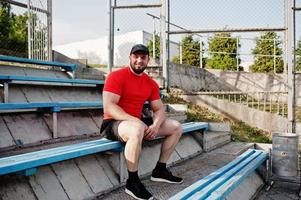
point(109, 128)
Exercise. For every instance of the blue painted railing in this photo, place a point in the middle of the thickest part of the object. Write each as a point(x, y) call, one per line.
point(7, 78)
point(65, 66)
point(56, 106)
point(27, 162)
point(222, 182)
point(48, 156)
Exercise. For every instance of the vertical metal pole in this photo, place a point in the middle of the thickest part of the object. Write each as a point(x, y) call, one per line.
point(285, 38)
point(237, 57)
point(163, 45)
point(54, 131)
point(258, 101)
point(290, 71)
point(278, 104)
point(6, 95)
point(154, 40)
point(121, 167)
point(113, 32)
point(110, 64)
point(34, 35)
point(274, 61)
point(181, 53)
point(39, 38)
point(168, 45)
point(49, 28)
point(201, 54)
point(29, 29)
point(271, 100)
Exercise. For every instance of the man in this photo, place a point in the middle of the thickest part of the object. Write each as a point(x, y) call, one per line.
point(124, 95)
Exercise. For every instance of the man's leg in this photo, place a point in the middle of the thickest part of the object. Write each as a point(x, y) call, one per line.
point(172, 130)
point(132, 134)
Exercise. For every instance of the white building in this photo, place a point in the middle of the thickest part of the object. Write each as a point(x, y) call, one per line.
point(96, 50)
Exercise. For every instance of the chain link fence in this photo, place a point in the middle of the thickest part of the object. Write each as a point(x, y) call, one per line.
point(142, 25)
point(298, 36)
point(247, 50)
point(24, 29)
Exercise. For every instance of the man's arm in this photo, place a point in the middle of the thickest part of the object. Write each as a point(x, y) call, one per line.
point(158, 118)
point(159, 112)
point(110, 102)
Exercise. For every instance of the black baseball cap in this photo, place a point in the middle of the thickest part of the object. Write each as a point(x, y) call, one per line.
point(140, 48)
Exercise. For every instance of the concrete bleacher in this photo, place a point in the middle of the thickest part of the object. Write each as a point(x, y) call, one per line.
point(48, 97)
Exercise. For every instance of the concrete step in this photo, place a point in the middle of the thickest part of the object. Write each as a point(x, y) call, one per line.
point(217, 135)
point(213, 139)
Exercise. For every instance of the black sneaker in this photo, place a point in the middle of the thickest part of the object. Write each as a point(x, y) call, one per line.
point(165, 176)
point(137, 190)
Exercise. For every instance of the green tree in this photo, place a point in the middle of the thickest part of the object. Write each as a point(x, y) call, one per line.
point(298, 56)
point(5, 21)
point(223, 48)
point(264, 51)
point(13, 32)
point(190, 51)
point(18, 32)
point(157, 46)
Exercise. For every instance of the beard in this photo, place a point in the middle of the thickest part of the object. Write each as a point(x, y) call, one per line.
point(138, 71)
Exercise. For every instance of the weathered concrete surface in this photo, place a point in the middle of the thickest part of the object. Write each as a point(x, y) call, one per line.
point(90, 176)
point(72, 180)
point(6, 138)
point(191, 78)
point(281, 191)
point(214, 139)
point(46, 185)
point(192, 170)
point(256, 118)
point(94, 173)
point(15, 188)
point(73, 124)
point(188, 141)
point(217, 135)
point(18, 127)
point(16, 95)
point(30, 71)
point(21, 128)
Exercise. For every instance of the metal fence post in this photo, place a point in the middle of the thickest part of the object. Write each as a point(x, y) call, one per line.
point(274, 61)
point(181, 53)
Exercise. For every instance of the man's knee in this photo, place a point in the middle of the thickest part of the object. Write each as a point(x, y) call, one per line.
point(137, 131)
point(178, 128)
point(174, 127)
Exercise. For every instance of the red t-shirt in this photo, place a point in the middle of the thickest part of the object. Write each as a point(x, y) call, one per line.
point(133, 90)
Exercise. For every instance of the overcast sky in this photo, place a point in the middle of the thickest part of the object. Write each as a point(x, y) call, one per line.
point(76, 20)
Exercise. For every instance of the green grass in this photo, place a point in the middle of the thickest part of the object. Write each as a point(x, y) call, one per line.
point(97, 65)
point(240, 131)
point(244, 133)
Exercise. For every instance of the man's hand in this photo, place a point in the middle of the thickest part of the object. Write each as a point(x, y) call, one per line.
point(151, 132)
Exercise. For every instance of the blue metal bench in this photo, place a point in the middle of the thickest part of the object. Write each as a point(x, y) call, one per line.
point(8, 79)
point(65, 66)
point(27, 163)
point(222, 182)
point(53, 107)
